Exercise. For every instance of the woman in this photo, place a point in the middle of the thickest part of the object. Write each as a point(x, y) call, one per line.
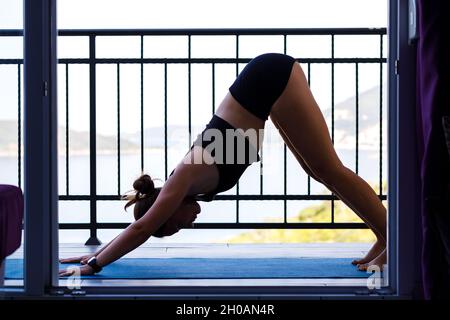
point(271, 85)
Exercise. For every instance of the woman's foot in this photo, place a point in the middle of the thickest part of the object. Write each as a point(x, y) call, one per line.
point(379, 261)
point(374, 252)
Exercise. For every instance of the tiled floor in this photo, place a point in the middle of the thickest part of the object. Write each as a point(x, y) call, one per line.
point(331, 250)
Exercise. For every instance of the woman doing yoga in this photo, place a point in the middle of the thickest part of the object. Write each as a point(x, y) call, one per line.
point(271, 85)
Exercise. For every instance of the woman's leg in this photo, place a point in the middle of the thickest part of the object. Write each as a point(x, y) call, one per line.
point(301, 161)
point(301, 121)
point(297, 156)
point(379, 246)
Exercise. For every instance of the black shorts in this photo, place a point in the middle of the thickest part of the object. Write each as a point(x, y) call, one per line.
point(261, 82)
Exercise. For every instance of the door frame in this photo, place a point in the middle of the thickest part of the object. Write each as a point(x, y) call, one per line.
point(41, 192)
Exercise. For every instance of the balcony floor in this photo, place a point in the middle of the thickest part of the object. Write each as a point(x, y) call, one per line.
point(201, 250)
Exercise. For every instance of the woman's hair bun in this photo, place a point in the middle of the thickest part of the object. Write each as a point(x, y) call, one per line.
point(144, 184)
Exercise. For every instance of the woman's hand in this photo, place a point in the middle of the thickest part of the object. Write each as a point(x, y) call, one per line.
point(77, 271)
point(82, 260)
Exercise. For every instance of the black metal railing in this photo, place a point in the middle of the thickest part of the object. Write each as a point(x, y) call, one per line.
point(92, 61)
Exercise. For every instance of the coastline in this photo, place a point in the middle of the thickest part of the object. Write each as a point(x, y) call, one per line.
point(85, 152)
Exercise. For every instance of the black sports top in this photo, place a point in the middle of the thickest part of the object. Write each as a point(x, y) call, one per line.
point(232, 167)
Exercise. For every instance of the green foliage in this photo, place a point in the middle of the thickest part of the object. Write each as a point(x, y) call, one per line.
point(315, 213)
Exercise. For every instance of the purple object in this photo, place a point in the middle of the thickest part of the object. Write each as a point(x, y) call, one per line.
point(11, 216)
point(433, 110)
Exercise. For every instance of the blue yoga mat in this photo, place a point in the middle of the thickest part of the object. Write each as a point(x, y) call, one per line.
point(213, 268)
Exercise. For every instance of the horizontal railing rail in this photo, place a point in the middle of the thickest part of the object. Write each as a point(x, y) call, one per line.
point(209, 32)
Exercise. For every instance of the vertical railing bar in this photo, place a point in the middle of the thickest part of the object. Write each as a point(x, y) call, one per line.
point(189, 92)
point(285, 153)
point(213, 88)
point(381, 116)
point(237, 73)
point(142, 104)
point(309, 74)
point(357, 115)
point(285, 183)
point(332, 110)
point(19, 127)
point(165, 120)
point(332, 88)
point(118, 129)
point(67, 129)
point(93, 240)
point(332, 210)
point(261, 170)
point(309, 84)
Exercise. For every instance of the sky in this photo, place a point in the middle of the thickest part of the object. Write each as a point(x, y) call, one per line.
point(79, 14)
point(207, 13)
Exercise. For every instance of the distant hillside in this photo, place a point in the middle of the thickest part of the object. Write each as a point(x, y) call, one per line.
point(78, 141)
point(369, 120)
point(154, 136)
point(177, 134)
point(344, 125)
point(369, 108)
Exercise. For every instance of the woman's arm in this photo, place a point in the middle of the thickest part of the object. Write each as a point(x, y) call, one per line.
point(84, 259)
point(104, 247)
point(171, 196)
